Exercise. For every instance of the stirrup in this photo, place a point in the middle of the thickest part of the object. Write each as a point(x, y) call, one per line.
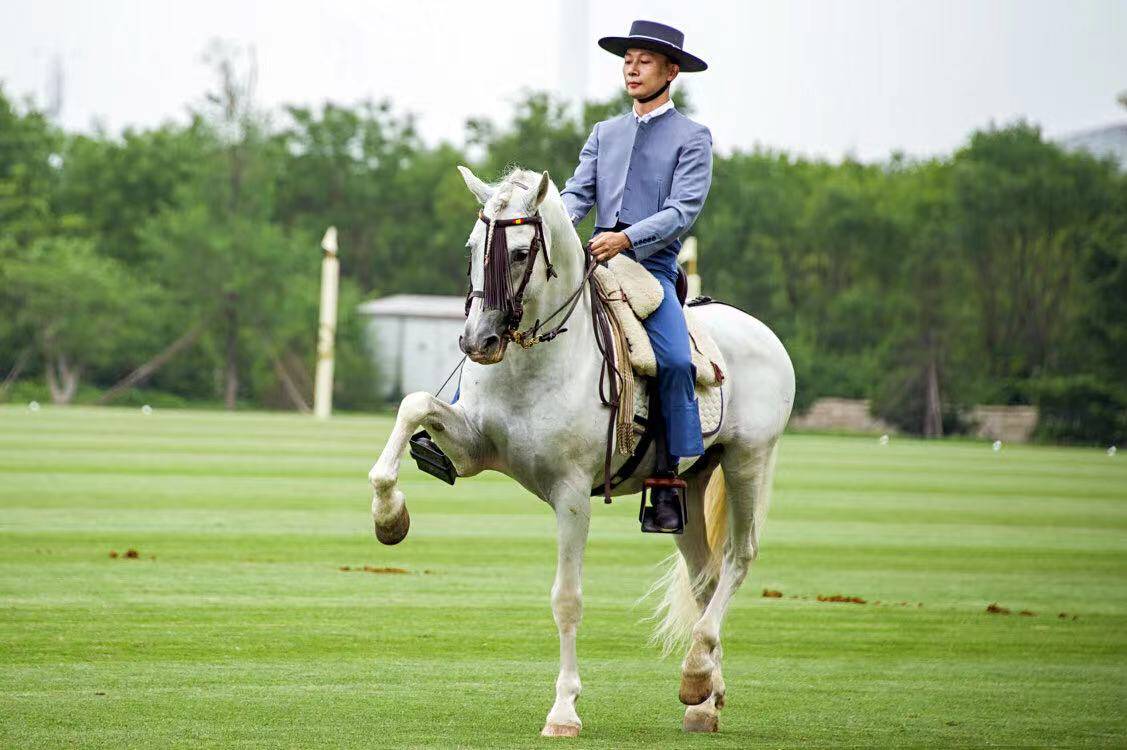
point(646, 512)
point(430, 457)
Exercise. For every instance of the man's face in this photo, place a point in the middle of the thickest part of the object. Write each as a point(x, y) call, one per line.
point(645, 72)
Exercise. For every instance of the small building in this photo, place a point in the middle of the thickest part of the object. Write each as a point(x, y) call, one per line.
point(1108, 141)
point(415, 341)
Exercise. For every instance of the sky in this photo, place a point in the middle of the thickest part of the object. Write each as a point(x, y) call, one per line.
point(860, 78)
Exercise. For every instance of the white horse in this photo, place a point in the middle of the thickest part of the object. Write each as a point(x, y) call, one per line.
point(535, 415)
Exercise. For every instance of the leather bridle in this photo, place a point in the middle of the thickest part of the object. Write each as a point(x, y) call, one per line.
point(499, 294)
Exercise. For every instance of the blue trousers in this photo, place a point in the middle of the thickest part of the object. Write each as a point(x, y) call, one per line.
point(676, 374)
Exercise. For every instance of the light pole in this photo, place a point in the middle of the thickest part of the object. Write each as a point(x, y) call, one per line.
point(326, 331)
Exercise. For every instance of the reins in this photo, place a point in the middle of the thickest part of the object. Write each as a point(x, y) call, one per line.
point(499, 294)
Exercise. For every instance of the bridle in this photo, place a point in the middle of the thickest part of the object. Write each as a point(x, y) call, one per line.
point(499, 294)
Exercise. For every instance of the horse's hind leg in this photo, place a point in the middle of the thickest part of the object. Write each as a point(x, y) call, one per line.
point(696, 551)
point(747, 480)
point(450, 431)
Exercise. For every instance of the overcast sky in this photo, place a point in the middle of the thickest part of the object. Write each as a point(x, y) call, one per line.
point(824, 78)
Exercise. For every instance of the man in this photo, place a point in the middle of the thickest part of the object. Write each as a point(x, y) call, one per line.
point(648, 172)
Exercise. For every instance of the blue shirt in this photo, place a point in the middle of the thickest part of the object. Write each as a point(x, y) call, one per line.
point(652, 175)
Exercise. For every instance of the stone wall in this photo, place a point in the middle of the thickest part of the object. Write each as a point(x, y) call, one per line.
point(844, 414)
point(1010, 424)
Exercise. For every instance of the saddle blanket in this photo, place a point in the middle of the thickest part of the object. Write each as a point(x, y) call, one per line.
point(710, 406)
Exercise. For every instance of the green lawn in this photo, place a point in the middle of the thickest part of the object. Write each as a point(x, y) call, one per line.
point(236, 627)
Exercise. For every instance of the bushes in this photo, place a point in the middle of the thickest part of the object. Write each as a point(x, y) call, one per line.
point(1080, 409)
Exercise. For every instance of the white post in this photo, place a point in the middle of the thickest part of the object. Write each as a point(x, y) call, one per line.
point(326, 332)
point(688, 256)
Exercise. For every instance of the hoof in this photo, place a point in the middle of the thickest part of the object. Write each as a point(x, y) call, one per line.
point(396, 531)
point(695, 689)
point(701, 721)
point(559, 730)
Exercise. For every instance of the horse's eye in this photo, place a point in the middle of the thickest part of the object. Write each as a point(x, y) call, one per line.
point(519, 255)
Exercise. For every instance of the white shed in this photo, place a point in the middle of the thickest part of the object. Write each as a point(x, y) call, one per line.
point(415, 340)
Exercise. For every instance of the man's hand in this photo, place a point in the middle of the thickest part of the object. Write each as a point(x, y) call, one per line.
point(606, 245)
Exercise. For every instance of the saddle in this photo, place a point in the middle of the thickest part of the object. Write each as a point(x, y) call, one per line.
point(632, 294)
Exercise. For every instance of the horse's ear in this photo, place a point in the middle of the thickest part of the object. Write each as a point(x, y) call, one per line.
point(542, 191)
point(480, 190)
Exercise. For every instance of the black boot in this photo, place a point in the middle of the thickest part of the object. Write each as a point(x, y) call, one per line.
point(666, 512)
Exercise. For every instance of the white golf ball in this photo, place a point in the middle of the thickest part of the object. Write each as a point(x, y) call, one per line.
point(1111, 451)
point(884, 439)
point(33, 406)
point(997, 445)
point(146, 410)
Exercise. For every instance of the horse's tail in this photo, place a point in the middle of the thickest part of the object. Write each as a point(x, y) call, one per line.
point(677, 611)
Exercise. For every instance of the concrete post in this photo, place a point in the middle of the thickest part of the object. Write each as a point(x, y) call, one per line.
point(688, 256)
point(326, 331)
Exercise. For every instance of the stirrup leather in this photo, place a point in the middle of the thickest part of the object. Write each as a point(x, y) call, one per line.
point(430, 457)
point(646, 512)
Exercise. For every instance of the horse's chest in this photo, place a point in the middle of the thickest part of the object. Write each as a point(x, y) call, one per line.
point(548, 438)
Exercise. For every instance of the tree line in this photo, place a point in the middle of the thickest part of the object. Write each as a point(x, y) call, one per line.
point(179, 264)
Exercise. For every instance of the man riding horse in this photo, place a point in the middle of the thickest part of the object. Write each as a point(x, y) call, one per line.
point(648, 172)
point(534, 417)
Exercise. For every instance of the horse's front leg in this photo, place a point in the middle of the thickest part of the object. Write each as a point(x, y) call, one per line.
point(573, 517)
point(449, 428)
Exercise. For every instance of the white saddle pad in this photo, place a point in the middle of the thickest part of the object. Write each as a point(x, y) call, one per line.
point(710, 405)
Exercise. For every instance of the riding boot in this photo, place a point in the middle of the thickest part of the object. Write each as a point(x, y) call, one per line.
point(666, 491)
point(667, 502)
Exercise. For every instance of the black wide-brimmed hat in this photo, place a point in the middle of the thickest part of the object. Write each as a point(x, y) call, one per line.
point(659, 38)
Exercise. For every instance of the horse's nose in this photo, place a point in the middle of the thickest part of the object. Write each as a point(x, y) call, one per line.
point(490, 341)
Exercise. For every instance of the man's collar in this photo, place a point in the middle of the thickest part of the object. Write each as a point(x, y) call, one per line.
point(651, 115)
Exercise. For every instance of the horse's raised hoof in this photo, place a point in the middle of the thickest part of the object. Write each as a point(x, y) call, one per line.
point(396, 531)
point(559, 730)
point(695, 689)
point(701, 721)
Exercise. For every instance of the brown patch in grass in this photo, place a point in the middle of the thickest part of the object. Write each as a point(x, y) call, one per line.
point(1027, 613)
point(374, 569)
point(132, 554)
point(113, 554)
point(772, 594)
point(840, 598)
point(994, 609)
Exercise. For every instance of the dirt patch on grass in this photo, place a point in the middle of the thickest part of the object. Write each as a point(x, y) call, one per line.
point(772, 594)
point(129, 554)
point(373, 569)
point(840, 598)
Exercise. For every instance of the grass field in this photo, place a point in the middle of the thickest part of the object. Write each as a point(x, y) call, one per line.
point(235, 625)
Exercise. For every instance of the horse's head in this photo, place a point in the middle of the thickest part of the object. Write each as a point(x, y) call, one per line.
point(509, 260)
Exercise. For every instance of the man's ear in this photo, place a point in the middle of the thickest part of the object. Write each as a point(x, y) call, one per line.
point(542, 191)
point(480, 190)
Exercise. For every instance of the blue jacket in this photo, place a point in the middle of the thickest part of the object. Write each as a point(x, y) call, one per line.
point(653, 175)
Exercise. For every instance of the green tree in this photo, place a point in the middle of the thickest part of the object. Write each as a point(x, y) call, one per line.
point(76, 305)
